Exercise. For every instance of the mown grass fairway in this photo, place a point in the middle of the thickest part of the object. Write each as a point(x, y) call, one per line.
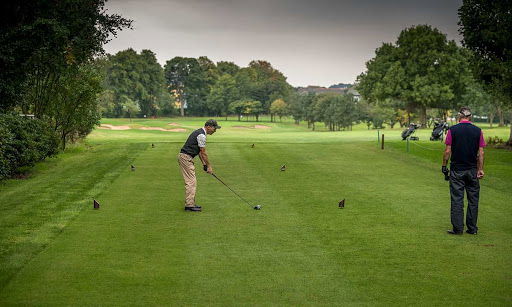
point(387, 247)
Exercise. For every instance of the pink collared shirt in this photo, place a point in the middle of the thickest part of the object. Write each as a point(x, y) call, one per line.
point(448, 140)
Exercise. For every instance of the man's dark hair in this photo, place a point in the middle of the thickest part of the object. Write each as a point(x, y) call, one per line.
point(212, 123)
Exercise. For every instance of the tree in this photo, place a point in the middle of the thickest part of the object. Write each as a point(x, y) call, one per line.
point(481, 102)
point(279, 107)
point(138, 77)
point(205, 78)
point(130, 107)
point(486, 26)
point(252, 107)
point(320, 109)
point(74, 111)
point(153, 82)
point(423, 69)
point(181, 75)
point(106, 103)
point(40, 39)
point(222, 94)
point(236, 107)
point(299, 107)
point(167, 105)
point(336, 111)
point(246, 107)
point(261, 82)
point(227, 68)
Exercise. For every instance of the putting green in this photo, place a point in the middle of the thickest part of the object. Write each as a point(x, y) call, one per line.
point(388, 246)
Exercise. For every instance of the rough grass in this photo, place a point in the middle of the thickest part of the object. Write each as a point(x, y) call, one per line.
point(387, 247)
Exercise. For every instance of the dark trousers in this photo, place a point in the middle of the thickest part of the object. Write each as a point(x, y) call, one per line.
point(460, 181)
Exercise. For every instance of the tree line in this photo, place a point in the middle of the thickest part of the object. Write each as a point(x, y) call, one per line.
point(53, 68)
point(136, 85)
point(421, 77)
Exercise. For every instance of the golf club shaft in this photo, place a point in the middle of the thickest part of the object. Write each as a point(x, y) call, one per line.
point(231, 189)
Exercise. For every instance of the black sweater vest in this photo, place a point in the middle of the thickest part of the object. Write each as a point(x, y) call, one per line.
point(465, 144)
point(191, 147)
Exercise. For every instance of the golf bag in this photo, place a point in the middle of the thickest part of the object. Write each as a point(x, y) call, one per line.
point(439, 131)
point(409, 131)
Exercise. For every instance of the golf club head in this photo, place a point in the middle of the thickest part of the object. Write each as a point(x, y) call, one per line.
point(257, 207)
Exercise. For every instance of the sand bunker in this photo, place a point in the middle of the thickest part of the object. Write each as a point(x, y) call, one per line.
point(162, 129)
point(112, 127)
point(253, 127)
point(174, 124)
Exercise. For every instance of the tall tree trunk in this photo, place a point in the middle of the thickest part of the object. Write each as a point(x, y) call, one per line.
point(509, 142)
point(423, 116)
point(501, 117)
point(491, 118)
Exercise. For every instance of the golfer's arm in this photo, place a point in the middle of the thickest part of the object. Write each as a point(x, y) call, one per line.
point(203, 156)
point(480, 161)
point(447, 154)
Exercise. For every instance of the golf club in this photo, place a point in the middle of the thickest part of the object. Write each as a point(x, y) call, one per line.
point(257, 207)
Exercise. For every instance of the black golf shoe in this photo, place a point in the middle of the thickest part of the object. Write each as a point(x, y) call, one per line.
point(453, 232)
point(193, 209)
point(471, 232)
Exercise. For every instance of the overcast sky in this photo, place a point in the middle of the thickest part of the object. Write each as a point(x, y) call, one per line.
point(312, 42)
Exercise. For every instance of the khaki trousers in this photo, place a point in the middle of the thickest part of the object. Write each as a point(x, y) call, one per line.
point(189, 175)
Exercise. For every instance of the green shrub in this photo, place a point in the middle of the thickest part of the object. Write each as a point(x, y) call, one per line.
point(494, 140)
point(23, 142)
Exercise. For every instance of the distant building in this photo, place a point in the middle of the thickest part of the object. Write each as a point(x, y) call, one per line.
point(320, 90)
point(352, 91)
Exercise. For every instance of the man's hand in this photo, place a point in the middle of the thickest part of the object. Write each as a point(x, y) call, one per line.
point(446, 172)
point(480, 174)
point(209, 169)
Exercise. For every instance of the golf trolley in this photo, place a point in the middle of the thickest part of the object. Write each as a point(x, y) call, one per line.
point(407, 133)
point(439, 130)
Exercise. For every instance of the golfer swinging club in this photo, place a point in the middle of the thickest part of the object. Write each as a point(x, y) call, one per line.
point(195, 145)
point(465, 150)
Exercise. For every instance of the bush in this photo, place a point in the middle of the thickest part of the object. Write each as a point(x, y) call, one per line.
point(494, 140)
point(23, 142)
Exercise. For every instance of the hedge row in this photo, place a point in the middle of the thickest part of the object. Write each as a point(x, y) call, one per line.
point(23, 142)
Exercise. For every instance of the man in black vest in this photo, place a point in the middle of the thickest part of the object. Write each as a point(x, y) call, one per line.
point(195, 145)
point(465, 150)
